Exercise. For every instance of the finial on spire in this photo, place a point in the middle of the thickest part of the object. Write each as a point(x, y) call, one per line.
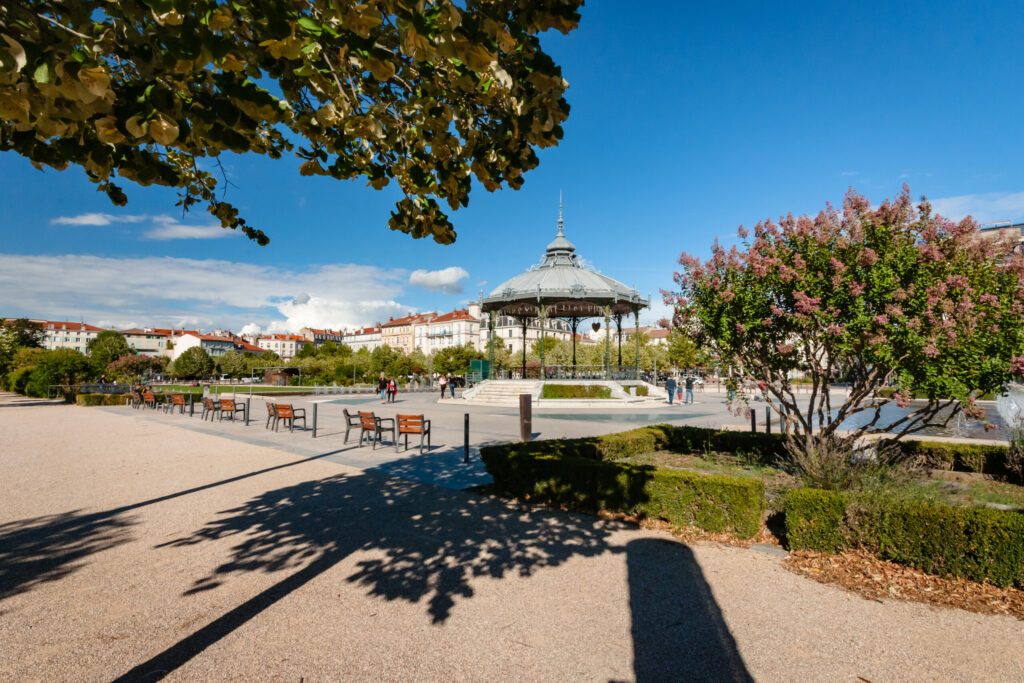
point(561, 223)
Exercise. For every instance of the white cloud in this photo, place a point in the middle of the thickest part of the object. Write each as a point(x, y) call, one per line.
point(163, 227)
point(97, 219)
point(447, 280)
point(208, 293)
point(167, 228)
point(987, 207)
point(250, 328)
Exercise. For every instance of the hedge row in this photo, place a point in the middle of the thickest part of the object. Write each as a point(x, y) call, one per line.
point(571, 472)
point(100, 399)
point(960, 457)
point(580, 391)
point(980, 544)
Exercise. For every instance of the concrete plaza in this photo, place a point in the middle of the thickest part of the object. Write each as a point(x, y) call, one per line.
point(140, 545)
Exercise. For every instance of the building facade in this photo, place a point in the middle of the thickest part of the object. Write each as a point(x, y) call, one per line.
point(455, 328)
point(214, 345)
point(508, 332)
point(367, 338)
point(149, 341)
point(399, 333)
point(68, 335)
point(284, 345)
point(319, 337)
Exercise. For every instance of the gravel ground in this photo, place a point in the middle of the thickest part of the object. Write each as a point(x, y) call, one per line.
point(133, 549)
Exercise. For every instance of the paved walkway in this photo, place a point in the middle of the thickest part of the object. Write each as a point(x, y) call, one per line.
point(134, 548)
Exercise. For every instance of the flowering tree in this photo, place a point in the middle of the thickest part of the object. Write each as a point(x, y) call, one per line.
point(887, 296)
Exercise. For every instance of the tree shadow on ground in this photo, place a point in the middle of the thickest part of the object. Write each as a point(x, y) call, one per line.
point(678, 630)
point(422, 545)
point(42, 549)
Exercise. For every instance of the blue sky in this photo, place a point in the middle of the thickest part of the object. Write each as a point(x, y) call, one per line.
point(688, 119)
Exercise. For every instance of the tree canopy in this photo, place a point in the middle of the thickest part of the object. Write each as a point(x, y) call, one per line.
point(427, 94)
point(893, 295)
point(193, 363)
point(107, 347)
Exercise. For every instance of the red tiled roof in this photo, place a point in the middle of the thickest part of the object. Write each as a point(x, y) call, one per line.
point(284, 337)
point(61, 325)
point(457, 314)
point(409, 319)
point(243, 345)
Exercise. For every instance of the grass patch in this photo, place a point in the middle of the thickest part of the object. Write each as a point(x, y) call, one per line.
point(577, 391)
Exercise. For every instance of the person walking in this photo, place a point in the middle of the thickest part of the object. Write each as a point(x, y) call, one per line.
point(451, 386)
point(392, 390)
point(689, 389)
point(670, 388)
point(382, 388)
point(443, 382)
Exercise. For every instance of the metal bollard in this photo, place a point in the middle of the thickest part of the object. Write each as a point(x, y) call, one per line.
point(767, 420)
point(191, 405)
point(465, 441)
point(314, 419)
point(247, 402)
point(525, 417)
point(753, 420)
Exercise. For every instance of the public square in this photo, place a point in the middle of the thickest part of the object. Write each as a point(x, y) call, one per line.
point(137, 544)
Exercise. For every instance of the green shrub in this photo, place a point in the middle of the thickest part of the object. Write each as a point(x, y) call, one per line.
point(100, 399)
point(17, 380)
point(974, 543)
point(960, 457)
point(571, 472)
point(580, 391)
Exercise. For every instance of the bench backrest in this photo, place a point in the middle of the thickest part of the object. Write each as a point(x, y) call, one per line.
point(178, 399)
point(148, 396)
point(270, 409)
point(367, 420)
point(350, 419)
point(284, 410)
point(209, 404)
point(410, 424)
point(227, 404)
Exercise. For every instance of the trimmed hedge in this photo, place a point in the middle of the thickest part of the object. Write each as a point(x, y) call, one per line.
point(960, 457)
point(580, 391)
point(572, 472)
point(100, 399)
point(980, 544)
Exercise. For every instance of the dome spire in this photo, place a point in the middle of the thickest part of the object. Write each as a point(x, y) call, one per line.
point(561, 222)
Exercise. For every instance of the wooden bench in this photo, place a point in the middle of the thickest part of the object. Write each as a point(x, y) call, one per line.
point(351, 422)
point(287, 413)
point(271, 415)
point(413, 424)
point(231, 408)
point(177, 402)
point(210, 408)
point(149, 400)
point(370, 423)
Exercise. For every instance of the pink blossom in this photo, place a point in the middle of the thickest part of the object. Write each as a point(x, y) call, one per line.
point(902, 400)
point(777, 311)
point(1017, 365)
point(881, 320)
point(900, 294)
point(989, 299)
point(741, 328)
point(728, 295)
point(743, 233)
point(806, 304)
point(868, 257)
point(930, 350)
point(856, 288)
point(835, 329)
point(785, 348)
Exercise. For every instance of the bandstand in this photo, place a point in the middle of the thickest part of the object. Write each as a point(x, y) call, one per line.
point(561, 288)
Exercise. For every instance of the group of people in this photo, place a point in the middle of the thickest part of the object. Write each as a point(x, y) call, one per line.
point(387, 389)
point(674, 389)
point(448, 383)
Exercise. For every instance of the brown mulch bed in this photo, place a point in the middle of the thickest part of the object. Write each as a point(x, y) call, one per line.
point(877, 579)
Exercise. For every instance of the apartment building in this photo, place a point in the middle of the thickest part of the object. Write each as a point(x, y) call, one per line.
point(68, 335)
point(455, 328)
point(284, 345)
point(508, 332)
point(367, 338)
point(214, 345)
point(399, 333)
point(147, 341)
point(319, 337)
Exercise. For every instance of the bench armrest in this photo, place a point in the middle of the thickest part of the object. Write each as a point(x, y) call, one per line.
point(381, 420)
point(301, 412)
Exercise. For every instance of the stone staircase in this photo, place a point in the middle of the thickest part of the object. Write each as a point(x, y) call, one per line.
point(502, 392)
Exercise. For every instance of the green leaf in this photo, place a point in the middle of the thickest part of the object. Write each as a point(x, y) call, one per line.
point(310, 26)
point(42, 73)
